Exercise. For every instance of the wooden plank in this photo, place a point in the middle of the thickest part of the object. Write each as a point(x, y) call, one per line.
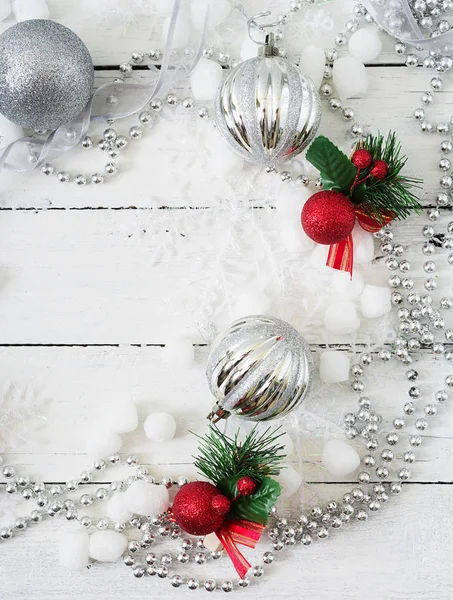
point(81, 385)
point(396, 554)
point(162, 169)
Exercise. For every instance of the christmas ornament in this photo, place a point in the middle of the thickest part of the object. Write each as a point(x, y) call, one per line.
point(259, 369)
point(237, 503)
point(267, 110)
point(199, 508)
point(46, 73)
point(369, 187)
point(328, 217)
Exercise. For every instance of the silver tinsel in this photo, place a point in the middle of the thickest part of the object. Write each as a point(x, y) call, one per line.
point(267, 110)
point(259, 369)
point(46, 74)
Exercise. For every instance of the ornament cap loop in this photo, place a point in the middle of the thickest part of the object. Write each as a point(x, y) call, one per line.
point(268, 49)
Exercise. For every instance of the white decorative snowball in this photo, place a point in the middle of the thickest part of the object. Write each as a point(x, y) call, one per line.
point(101, 442)
point(348, 288)
point(212, 542)
point(74, 550)
point(294, 237)
point(290, 480)
point(318, 258)
point(9, 132)
point(251, 302)
point(290, 202)
point(375, 301)
point(117, 510)
point(334, 366)
point(349, 77)
point(107, 546)
point(178, 352)
point(160, 427)
point(339, 458)
point(363, 245)
point(30, 9)
point(365, 44)
point(5, 9)
point(341, 318)
point(218, 12)
point(312, 63)
point(163, 7)
point(182, 33)
point(144, 498)
point(205, 79)
point(122, 416)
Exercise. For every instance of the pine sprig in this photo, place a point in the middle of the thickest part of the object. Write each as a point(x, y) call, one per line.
point(220, 456)
point(394, 192)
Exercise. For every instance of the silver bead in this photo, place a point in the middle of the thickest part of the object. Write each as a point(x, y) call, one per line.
point(155, 54)
point(135, 132)
point(156, 105)
point(97, 179)
point(404, 474)
point(85, 522)
point(145, 117)
point(110, 135)
point(47, 169)
point(415, 441)
point(87, 142)
point(63, 177)
point(210, 585)
point(125, 68)
point(80, 179)
point(193, 583)
point(441, 396)
point(172, 100)
point(382, 472)
point(227, 586)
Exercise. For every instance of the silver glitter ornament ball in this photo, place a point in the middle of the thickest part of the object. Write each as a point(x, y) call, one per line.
point(267, 110)
point(259, 369)
point(46, 74)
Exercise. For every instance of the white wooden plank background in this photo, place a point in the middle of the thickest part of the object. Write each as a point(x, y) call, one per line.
point(84, 317)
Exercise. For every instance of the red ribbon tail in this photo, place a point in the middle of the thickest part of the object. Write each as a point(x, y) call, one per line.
point(239, 561)
point(341, 255)
point(370, 222)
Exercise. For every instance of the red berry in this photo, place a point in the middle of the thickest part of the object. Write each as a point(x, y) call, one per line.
point(246, 486)
point(328, 217)
point(380, 170)
point(220, 504)
point(362, 159)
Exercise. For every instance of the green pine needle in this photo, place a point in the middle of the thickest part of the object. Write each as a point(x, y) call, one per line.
point(220, 456)
point(394, 192)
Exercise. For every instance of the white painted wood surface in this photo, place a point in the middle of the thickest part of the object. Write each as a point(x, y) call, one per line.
point(84, 317)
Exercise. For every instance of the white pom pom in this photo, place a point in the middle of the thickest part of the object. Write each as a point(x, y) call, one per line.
point(122, 416)
point(375, 301)
point(5, 9)
point(218, 12)
point(334, 366)
point(117, 510)
point(178, 351)
point(339, 458)
point(363, 245)
point(290, 202)
point(341, 318)
point(74, 550)
point(312, 63)
point(160, 427)
point(107, 546)
point(294, 237)
point(287, 442)
point(365, 44)
point(251, 302)
point(181, 35)
point(318, 259)
point(102, 442)
point(205, 79)
point(30, 9)
point(163, 7)
point(348, 288)
point(144, 498)
point(290, 480)
point(212, 542)
point(9, 132)
point(349, 77)
point(249, 47)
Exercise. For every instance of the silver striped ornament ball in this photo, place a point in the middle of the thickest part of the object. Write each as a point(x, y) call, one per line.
point(267, 110)
point(46, 74)
point(259, 369)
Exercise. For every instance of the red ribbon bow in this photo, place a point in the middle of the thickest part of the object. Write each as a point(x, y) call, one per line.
point(341, 255)
point(246, 533)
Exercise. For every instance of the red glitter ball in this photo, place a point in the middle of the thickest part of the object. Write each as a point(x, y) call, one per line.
point(380, 170)
point(246, 486)
point(362, 158)
point(328, 217)
point(199, 508)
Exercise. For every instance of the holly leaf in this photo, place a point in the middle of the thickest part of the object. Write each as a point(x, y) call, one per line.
point(254, 508)
point(336, 170)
